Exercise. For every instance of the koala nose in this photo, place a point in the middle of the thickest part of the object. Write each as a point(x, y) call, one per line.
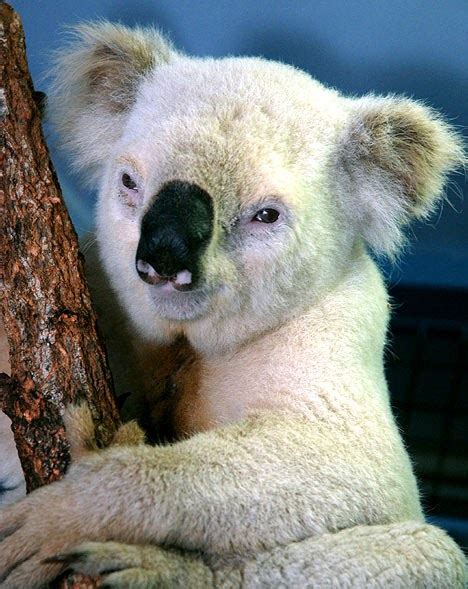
point(174, 234)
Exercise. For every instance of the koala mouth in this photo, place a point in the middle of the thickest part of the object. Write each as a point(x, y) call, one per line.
point(179, 297)
point(182, 281)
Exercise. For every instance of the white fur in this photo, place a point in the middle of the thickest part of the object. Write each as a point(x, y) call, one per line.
point(12, 486)
point(289, 469)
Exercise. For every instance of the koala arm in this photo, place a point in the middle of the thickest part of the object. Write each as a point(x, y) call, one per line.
point(406, 554)
point(229, 490)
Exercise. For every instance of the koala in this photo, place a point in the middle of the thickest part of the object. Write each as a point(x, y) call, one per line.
point(239, 203)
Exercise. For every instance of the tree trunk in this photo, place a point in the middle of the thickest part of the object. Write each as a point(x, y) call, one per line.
point(55, 352)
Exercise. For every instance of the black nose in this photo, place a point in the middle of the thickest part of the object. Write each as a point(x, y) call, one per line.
point(174, 234)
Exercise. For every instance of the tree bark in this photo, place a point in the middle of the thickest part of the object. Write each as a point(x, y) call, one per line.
point(55, 351)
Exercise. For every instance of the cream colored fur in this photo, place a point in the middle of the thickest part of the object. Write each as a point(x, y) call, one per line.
point(12, 486)
point(288, 469)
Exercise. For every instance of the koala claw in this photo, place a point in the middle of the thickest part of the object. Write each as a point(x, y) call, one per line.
point(136, 578)
point(127, 565)
point(96, 558)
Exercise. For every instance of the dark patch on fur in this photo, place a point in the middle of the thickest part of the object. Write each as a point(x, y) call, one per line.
point(157, 412)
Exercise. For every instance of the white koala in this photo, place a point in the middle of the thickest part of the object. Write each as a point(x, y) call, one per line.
point(237, 200)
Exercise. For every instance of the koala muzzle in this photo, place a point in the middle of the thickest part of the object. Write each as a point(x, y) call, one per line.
point(174, 234)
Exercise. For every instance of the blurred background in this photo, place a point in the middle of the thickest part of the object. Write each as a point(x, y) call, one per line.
point(414, 47)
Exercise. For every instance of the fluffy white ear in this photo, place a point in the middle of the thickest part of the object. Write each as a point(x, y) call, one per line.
point(95, 80)
point(391, 166)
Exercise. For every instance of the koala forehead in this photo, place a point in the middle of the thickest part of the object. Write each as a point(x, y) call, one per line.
point(240, 124)
point(218, 87)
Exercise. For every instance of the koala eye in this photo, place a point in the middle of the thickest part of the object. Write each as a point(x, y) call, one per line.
point(266, 216)
point(128, 182)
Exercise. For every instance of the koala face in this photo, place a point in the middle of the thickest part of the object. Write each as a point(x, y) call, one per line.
point(234, 193)
point(216, 206)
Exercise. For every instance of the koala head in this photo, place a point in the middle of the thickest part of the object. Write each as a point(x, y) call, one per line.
point(234, 193)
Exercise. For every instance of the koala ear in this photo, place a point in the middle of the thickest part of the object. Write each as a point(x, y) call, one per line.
point(94, 82)
point(391, 166)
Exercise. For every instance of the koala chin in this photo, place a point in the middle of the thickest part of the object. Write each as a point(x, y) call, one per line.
point(238, 202)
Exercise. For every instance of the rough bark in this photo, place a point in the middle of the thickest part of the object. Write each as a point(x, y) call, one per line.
point(55, 352)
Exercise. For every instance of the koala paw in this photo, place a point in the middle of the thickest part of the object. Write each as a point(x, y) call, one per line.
point(136, 566)
point(81, 432)
point(46, 522)
point(96, 558)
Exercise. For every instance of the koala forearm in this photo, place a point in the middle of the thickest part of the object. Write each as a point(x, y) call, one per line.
point(200, 493)
point(393, 556)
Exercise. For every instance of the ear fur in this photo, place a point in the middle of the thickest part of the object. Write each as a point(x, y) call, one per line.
point(392, 164)
point(95, 80)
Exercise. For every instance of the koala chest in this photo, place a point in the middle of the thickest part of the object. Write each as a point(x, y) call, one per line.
point(189, 412)
point(175, 406)
point(188, 394)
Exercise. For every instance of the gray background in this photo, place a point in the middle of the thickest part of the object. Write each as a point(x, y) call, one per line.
point(419, 48)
